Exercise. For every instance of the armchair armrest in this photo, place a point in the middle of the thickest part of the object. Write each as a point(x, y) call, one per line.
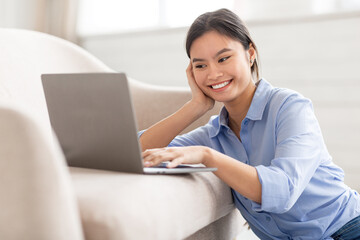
point(37, 201)
point(153, 103)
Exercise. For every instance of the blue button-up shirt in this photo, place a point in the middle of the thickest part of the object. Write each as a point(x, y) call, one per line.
point(303, 191)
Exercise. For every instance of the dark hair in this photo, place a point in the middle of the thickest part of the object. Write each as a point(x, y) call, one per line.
point(224, 22)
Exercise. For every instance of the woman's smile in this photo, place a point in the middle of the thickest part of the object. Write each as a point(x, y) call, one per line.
point(220, 86)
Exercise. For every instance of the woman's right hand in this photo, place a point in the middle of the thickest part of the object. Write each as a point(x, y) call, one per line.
point(198, 96)
point(163, 132)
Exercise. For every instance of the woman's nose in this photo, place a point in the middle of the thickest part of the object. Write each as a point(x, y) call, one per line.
point(214, 73)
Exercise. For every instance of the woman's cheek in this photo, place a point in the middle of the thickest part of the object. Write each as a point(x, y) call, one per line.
point(199, 79)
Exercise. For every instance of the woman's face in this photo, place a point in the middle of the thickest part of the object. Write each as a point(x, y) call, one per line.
point(221, 66)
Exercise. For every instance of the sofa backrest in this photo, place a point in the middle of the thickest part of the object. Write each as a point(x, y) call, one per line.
point(25, 55)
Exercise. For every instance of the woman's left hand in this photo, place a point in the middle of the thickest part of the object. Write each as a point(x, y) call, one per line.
point(176, 156)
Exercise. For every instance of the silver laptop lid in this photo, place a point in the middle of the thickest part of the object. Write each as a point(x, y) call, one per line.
point(90, 114)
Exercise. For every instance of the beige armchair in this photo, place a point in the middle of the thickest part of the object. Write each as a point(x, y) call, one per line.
point(42, 198)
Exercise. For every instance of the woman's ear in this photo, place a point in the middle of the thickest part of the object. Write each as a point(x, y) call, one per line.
point(251, 53)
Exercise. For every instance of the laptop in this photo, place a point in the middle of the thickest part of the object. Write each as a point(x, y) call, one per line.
point(92, 116)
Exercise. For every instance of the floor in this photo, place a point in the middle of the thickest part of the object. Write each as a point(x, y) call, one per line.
point(247, 235)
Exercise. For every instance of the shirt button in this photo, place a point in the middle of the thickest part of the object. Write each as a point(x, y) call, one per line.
point(268, 218)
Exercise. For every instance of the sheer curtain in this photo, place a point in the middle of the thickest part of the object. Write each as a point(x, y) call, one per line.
point(57, 18)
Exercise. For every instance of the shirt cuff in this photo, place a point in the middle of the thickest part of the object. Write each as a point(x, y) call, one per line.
point(140, 133)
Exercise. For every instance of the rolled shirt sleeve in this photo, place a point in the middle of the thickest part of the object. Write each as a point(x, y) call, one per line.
point(192, 138)
point(197, 137)
point(140, 133)
point(298, 152)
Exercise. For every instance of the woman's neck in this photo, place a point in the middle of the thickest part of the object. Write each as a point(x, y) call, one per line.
point(238, 109)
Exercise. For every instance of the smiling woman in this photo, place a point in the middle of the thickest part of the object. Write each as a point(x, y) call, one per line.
point(266, 142)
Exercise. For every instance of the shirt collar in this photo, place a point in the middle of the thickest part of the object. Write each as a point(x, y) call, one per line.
point(256, 109)
point(260, 100)
point(219, 122)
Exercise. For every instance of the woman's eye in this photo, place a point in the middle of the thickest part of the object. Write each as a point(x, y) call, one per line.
point(223, 59)
point(200, 66)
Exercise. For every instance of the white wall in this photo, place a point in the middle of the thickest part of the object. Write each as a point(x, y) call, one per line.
point(318, 56)
point(156, 57)
point(159, 56)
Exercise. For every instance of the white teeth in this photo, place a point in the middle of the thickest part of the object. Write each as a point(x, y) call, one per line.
point(220, 85)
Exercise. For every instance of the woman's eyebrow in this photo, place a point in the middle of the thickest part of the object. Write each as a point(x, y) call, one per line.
point(198, 60)
point(222, 51)
point(216, 55)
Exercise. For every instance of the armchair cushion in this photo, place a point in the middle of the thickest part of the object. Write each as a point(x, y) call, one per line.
point(130, 206)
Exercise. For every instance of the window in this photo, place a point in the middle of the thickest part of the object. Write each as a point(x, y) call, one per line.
point(109, 16)
point(105, 16)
